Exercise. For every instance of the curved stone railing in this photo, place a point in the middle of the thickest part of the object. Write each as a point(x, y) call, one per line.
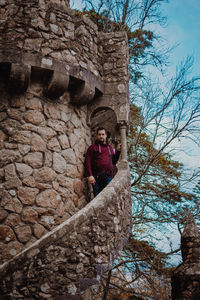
point(74, 255)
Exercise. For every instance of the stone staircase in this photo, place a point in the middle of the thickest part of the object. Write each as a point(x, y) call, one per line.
point(73, 256)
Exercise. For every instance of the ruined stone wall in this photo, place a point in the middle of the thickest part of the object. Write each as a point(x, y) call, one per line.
point(74, 255)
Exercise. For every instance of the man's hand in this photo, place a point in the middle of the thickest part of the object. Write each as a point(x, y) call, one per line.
point(91, 180)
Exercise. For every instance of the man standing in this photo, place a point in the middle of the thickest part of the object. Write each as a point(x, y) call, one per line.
point(100, 158)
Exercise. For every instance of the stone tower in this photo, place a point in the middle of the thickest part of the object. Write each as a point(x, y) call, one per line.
point(186, 278)
point(59, 79)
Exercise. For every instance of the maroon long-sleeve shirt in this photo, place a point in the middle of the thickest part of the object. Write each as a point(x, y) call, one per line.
point(97, 159)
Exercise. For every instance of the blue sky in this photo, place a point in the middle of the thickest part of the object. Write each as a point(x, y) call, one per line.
point(183, 27)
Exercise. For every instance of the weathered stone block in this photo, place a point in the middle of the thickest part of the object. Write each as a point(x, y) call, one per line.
point(29, 181)
point(54, 145)
point(12, 249)
point(8, 156)
point(69, 156)
point(45, 174)
point(71, 171)
point(34, 117)
point(51, 111)
point(78, 187)
point(46, 132)
point(14, 206)
point(13, 220)
point(3, 214)
point(23, 149)
point(10, 172)
point(37, 143)
point(58, 126)
point(29, 215)
point(34, 104)
point(23, 137)
point(59, 163)
point(6, 234)
point(39, 230)
point(13, 182)
point(49, 198)
point(63, 140)
point(35, 160)
point(27, 195)
point(23, 233)
point(23, 170)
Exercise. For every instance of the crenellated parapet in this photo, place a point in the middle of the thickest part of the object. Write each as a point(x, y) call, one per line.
point(47, 37)
point(46, 30)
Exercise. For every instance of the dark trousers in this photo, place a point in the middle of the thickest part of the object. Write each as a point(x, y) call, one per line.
point(97, 188)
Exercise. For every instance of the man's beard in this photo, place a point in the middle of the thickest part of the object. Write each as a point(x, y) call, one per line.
point(101, 142)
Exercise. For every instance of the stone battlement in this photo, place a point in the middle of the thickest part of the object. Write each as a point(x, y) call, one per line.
point(48, 38)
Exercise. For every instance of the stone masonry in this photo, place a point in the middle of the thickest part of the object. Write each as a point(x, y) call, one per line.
point(72, 257)
point(57, 73)
point(42, 165)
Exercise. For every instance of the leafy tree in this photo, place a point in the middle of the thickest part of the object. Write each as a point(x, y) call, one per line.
point(142, 272)
point(159, 117)
point(139, 273)
point(159, 182)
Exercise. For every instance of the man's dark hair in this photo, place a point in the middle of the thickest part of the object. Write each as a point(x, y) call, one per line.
point(101, 128)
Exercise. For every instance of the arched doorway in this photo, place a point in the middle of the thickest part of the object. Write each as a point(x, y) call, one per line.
point(105, 117)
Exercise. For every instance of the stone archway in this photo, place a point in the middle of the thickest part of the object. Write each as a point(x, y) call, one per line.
point(105, 117)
